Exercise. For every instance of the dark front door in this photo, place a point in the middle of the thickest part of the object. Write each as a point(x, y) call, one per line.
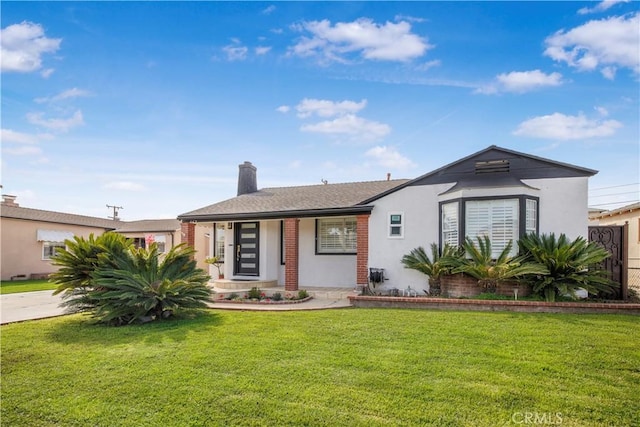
point(247, 239)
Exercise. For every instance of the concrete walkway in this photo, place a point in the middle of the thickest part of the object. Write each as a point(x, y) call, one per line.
point(42, 304)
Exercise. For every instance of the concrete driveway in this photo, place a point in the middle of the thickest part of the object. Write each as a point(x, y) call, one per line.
point(28, 306)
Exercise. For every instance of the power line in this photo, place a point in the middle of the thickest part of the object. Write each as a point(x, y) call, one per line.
point(614, 194)
point(614, 186)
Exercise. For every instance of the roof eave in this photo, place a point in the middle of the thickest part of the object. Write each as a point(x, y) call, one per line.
point(249, 216)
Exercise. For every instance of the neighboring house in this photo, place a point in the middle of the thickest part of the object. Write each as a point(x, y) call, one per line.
point(164, 232)
point(29, 237)
point(331, 235)
point(630, 215)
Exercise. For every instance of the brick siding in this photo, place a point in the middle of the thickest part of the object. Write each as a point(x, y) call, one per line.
point(362, 257)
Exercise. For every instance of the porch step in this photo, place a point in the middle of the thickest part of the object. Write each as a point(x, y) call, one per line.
point(244, 284)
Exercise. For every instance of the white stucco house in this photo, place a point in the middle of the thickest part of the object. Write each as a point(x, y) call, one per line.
point(331, 235)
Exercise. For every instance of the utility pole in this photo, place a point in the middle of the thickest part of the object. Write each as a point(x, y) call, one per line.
point(115, 212)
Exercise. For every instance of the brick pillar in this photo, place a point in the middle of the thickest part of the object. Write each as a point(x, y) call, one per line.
point(188, 232)
point(362, 257)
point(291, 241)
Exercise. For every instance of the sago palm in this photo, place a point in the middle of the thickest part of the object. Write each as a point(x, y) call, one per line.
point(435, 267)
point(481, 264)
point(143, 285)
point(571, 265)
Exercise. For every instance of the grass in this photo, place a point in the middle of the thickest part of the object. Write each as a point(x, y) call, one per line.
point(15, 286)
point(352, 367)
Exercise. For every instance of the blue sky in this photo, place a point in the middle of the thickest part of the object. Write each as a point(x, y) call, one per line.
point(152, 105)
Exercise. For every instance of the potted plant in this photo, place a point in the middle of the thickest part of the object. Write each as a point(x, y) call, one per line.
point(216, 262)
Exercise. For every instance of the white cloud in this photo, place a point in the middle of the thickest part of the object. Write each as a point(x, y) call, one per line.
point(562, 127)
point(236, 53)
point(389, 157)
point(22, 46)
point(296, 164)
point(383, 42)
point(324, 108)
point(600, 7)
point(67, 94)
point(262, 50)
point(24, 150)
point(8, 136)
point(58, 125)
point(521, 82)
point(355, 127)
point(429, 64)
point(124, 186)
point(269, 10)
point(605, 44)
point(283, 109)
point(46, 73)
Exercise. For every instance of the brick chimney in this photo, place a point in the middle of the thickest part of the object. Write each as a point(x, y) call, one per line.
point(247, 179)
point(9, 200)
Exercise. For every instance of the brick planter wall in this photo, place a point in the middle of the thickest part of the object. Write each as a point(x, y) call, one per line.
point(463, 286)
point(459, 286)
point(493, 305)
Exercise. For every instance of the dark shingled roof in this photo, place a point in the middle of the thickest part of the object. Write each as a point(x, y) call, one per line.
point(148, 225)
point(323, 199)
point(56, 217)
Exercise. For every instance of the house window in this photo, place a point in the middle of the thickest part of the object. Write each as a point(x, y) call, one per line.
point(161, 241)
point(531, 216)
point(495, 219)
point(49, 249)
point(449, 220)
point(396, 225)
point(336, 236)
point(501, 220)
point(139, 242)
point(218, 242)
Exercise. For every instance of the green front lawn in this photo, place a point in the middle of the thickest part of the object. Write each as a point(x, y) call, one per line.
point(334, 367)
point(15, 286)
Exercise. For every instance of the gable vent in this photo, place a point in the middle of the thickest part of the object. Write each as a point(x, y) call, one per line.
point(492, 166)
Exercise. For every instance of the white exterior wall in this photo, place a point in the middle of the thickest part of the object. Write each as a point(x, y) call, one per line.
point(322, 270)
point(562, 209)
point(419, 204)
point(563, 205)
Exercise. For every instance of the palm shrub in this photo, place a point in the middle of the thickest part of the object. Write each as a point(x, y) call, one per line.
point(570, 265)
point(480, 264)
point(120, 284)
point(77, 264)
point(438, 265)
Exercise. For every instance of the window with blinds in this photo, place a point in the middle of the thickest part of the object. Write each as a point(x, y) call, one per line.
point(450, 233)
point(501, 220)
point(336, 236)
point(496, 219)
point(531, 218)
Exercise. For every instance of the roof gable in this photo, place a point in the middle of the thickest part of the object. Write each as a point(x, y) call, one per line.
point(500, 165)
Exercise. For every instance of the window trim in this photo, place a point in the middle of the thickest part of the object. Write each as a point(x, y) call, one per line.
point(390, 225)
point(317, 237)
point(462, 232)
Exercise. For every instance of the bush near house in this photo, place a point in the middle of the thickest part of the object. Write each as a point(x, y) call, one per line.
point(552, 266)
point(119, 284)
point(570, 265)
